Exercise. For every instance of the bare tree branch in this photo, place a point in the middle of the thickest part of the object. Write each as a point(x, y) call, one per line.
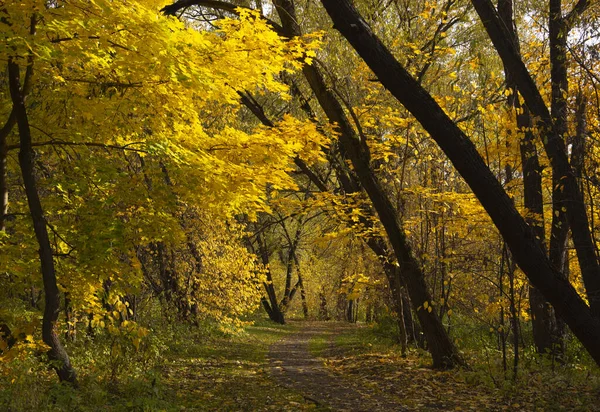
point(172, 9)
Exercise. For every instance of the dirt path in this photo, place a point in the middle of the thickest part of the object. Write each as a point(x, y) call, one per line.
point(295, 367)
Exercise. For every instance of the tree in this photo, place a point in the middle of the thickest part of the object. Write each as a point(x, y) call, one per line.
point(525, 248)
point(118, 116)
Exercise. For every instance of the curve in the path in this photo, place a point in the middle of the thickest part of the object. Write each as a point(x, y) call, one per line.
point(295, 367)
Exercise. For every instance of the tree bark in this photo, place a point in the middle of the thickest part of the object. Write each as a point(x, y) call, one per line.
point(526, 249)
point(323, 313)
point(57, 354)
point(558, 110)
point(300, 285)
point(4, 132)
point(293, 244)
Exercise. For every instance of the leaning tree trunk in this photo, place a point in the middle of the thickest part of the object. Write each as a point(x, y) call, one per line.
point(444, 353)
point(519, 236)
point(57, 354)
point(442, 349)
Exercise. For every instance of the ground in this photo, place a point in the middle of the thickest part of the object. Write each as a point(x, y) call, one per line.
point(302, 366)
point(295, 366)
point(331, 366)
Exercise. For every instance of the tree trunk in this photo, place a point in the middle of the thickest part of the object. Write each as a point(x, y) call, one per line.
point(443, 351)
point(4, 132)
point(57, 354)
point(303, 297)
point(301, 286)
point(323, 313)
point(399, 303)
point(350, 311)
point(546, 335)
point(289, 269)
point(526, 249)
point(71, 332)
point(558, 111)
point(553, 143)
point(271, 305)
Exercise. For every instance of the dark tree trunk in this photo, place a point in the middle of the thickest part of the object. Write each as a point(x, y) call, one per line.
point(546, 334)
point(289, 269)
point(526, 249)
point(71, 331)
point(57, 354)
point(323, 313)
point(369, 312)
point(399, 302)
point(413, 331)
point(350, 312)
point(578, 141)
point(303, 298)
point(300, 285)
point(443, 351)
point(270, 303)
point(394, 279)
point(558, 111)
point(554, 145)
point(288, 293)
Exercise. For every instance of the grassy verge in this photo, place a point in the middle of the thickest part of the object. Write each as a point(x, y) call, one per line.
point(230, 375)
point(191, 371)
point(319, 345)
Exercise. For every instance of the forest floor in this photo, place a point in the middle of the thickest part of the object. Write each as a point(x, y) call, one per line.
point(330, 366)
point(355, 360)
point(308, 366)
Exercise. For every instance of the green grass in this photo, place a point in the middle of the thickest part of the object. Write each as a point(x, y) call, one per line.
point(190, 370)
point(319, 345)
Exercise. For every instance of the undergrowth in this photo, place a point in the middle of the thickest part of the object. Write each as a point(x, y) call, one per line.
point(178, 367)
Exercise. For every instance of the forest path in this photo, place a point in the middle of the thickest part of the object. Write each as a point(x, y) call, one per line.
point(294, 366)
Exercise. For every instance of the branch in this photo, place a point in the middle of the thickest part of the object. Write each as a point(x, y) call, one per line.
point(88, 144)
point(116, 84)
point(578, 10)
point(58, 235)
point(172, 9)
point(463, 154)
point(94, 37)
point(259, 112)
